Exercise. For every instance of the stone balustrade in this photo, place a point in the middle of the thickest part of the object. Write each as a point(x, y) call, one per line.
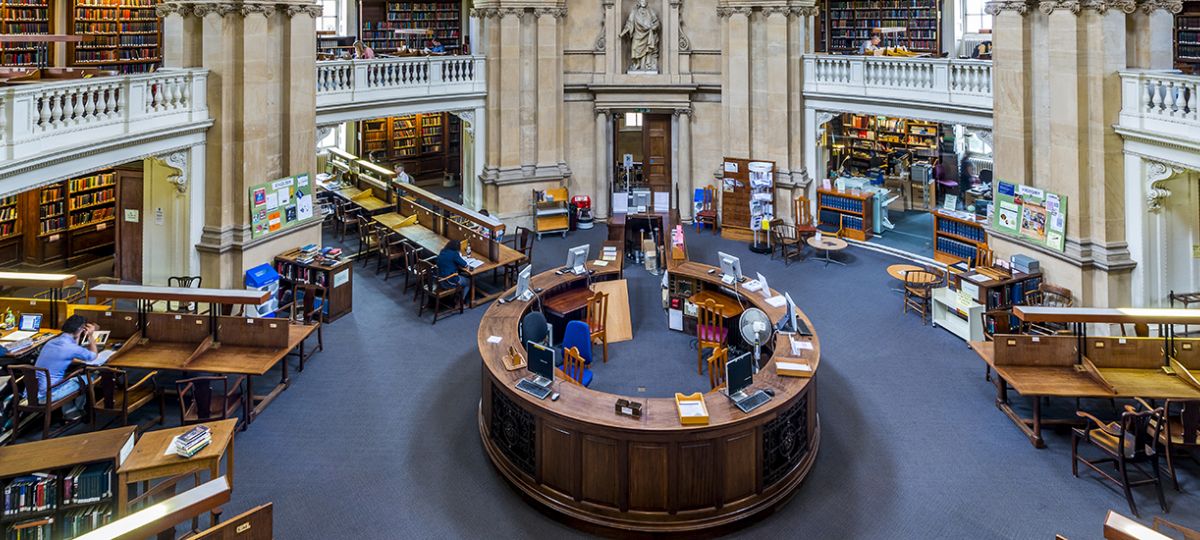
point(1162, 102)
point(346, 86)
point(64, 116)
point(933, 81)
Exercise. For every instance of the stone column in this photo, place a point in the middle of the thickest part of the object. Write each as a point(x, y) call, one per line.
point(602, 183)
point(735, 93)
point(1012, 69)
point(1150, 33)
point(687, 183)
point(800, 20)
point(261, 95)
point(548, 86)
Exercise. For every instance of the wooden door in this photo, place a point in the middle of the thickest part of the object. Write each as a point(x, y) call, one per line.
point(656, 138)
point(127, 263)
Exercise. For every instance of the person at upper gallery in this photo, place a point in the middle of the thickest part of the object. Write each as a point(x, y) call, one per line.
point(363, 52)
point(401, 176)
point(871, 45)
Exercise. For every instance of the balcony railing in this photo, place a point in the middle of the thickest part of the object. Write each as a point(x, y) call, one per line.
point(943, 81)
point(54, 115)
point(345, 82)
point(1161, 101)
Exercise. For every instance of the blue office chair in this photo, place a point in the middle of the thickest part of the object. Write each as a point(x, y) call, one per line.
point(579, 335)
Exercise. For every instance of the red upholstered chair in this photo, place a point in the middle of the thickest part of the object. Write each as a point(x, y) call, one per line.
point(710, 329)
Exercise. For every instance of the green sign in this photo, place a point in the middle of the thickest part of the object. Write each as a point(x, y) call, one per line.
point(1033, 214)
point(280, 204)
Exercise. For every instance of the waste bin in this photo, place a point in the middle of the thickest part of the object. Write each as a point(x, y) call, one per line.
point(263, 278)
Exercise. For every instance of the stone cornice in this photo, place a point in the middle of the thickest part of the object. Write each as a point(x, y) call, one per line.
point(1173, 7)
point(1078, 6)
point(490, 12)
point(202, 9)
point(996, 7)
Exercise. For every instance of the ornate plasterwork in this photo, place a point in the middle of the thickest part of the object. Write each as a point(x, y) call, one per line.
point(177, 160)
point(1173, 7)
point(245, 9)
point(996, 7)
point(685, 44)
point(726, 11)
point(683, 111)
point(1158, 173)
point(1077, 6)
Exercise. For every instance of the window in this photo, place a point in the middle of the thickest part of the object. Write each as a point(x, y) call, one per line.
point(331, 17)
point(974, 17)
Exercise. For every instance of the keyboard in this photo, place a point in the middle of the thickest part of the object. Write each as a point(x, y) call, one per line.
point(754, 401)
point(527, 386)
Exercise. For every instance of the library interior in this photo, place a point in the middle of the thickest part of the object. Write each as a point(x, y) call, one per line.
point(877, 197)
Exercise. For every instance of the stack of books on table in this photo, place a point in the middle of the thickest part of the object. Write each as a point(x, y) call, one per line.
point(331, 254)
point(307, 254)
point(193, 441)
point(609, 253)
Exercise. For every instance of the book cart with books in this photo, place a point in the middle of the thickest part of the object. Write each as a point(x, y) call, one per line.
point(850, 211)
point(64, 487)
point(323, 267)
point(957, 236)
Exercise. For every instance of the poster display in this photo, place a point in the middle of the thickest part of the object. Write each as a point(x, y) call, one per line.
point(762, 180)
point(280, 204)
point(1032, 214)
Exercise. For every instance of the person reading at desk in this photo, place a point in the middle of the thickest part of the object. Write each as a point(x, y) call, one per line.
point(436, 47)
point(57, 356)
point(449, 262)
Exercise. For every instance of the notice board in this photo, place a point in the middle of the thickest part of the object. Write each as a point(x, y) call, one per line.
point(281, 204)
point(1030, 213)
point(747, 198)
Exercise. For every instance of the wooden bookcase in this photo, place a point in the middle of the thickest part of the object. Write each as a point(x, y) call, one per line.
point(845, 24)
point(55, 463)
point(10, 230)
point(91, 215)
point(956, 239)
point(441, 19)
point(427, 144)
point(25, 17)
point(75, 219)
point(999, 293)
point(1187, 38)
point(850, 211)
point(124, 35)
point(341, 275)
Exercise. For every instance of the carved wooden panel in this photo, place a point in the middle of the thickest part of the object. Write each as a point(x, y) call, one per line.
point(648, 476)
point(558, 459)
point(785, 442)
point(697, 475)
point(514, 432)
point(601, 473)
point(740, 473)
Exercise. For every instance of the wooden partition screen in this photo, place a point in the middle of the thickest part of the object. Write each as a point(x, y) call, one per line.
point(250, 332)
point(177, 327)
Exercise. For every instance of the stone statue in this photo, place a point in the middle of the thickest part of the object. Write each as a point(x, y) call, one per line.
point(642, 27)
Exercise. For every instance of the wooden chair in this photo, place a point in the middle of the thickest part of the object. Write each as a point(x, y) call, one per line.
point(188, 282)
point(1130, 442)
point(716, 367)
point(391, 250)
point(110, 393)
point(438, 291)
point(1047, 295)
point(806, 226)
point(1168, 528)
point(576, 368)
point(983, 257)
point(707, 215)
point(522, 241)
point(23, 380)
point(1181, 431)
point(918, 292)
point(346, 217)
point(307, 307)
point(710, 330)
point(996, 321)
point(367, 242)
point(597, 314)
point(211, 397)
point(785, 240)
point(412, 268)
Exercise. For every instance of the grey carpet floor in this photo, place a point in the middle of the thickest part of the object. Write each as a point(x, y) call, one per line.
point(377, 438)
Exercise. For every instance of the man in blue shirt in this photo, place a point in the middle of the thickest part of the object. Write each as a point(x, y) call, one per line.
point(57, 355)
point(448, 264)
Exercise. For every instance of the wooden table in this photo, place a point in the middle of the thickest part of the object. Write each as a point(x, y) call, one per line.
point(146, 296)
point(433, 242)
point(36, 341)
point(652, 474)
point(828, 244)
point(148, 460)
point(898, 271)
point(730, 307)
point(355, 196)
point(568, 302)
point(52, 282)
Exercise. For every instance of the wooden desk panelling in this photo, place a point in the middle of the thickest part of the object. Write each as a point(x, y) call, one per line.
point(1187, 352)
point(253, 332)
point(1113, 352)
point(177, 327)
point(119, 324)
point(254, 524)
point(179, 294)
point(1045, 351)
point(651, 474)
point(1107, 315)
point(36, 305)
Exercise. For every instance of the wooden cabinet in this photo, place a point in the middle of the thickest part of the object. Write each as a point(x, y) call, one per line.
point(957, 238)
point(852, 212)
point(337, 278)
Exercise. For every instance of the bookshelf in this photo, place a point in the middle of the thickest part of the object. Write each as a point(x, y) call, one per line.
point(441, 19)
point(76, 220)
point(62, 487)
point(25, 17)
point(10, 230)
point(1187, 38)
point(340, 274)
point(916, 24)
point(427, 144)
point(998, 293)
point(957, 239)
point(121, 35)
point(862, 140)
point(850, 211)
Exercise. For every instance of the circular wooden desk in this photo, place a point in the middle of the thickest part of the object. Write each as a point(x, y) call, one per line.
point(828, 244)
point(898, 271)
point(601, 470)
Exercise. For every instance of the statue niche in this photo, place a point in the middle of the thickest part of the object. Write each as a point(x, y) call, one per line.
point(642, 28)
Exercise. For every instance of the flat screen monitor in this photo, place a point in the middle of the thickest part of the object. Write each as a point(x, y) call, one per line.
point(523, 291)
point(739, 373)
point(731, 267)
point(577, 257)
point(30, 322)
point(766, 288)
point(640, 200)
point(541, 362)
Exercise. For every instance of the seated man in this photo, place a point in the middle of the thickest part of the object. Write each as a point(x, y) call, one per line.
point(449, 262)
point(57, 355)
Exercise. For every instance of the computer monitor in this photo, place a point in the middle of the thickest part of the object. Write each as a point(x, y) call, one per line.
point(731, 268)
point(640, 201)
point(791, 322)
point(30, 322)
point(766, 289)
point(540, 363)
point(577, 257)
point(524, 293)
point(739, 373)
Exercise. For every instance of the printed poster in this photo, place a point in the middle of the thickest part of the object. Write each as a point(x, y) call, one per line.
point(1032, 214)
point(281, 203)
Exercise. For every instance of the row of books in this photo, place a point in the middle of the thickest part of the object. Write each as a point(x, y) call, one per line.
point(841, 203)
point(52, 225)
point(300, 274)
point(51, 209)
point(22, 58)
point(91, 216)
point(26, 14)
point(88, 484)
point(882, 4)
point(423, 6)
point(955, 248)
point(32, 493)
point(964, 230)
point(901, 14)
point(92, 182)
point(423, 16)
point(22, 3)
point(31, 530)
point(50, 194)
point(27, 27)
point(121, 3)
point(8, 213)
point(147, 54)
point(7, 229)
point(84, 27)
point(82, 520)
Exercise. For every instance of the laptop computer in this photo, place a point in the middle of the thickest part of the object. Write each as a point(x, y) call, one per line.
point(27, 327)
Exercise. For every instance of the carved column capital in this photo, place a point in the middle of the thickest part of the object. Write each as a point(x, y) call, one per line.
point(485, 12)
point(312, 10)
point(556, 12)
point(776, 10)
point(726, 11)
point(996, 7)
point(1050, 6)
point(603, 111)
point(803, 11)
point(1173, 7)
point(1102, 6)
point(683, 111)
point(173, 8)
point(247, 10)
